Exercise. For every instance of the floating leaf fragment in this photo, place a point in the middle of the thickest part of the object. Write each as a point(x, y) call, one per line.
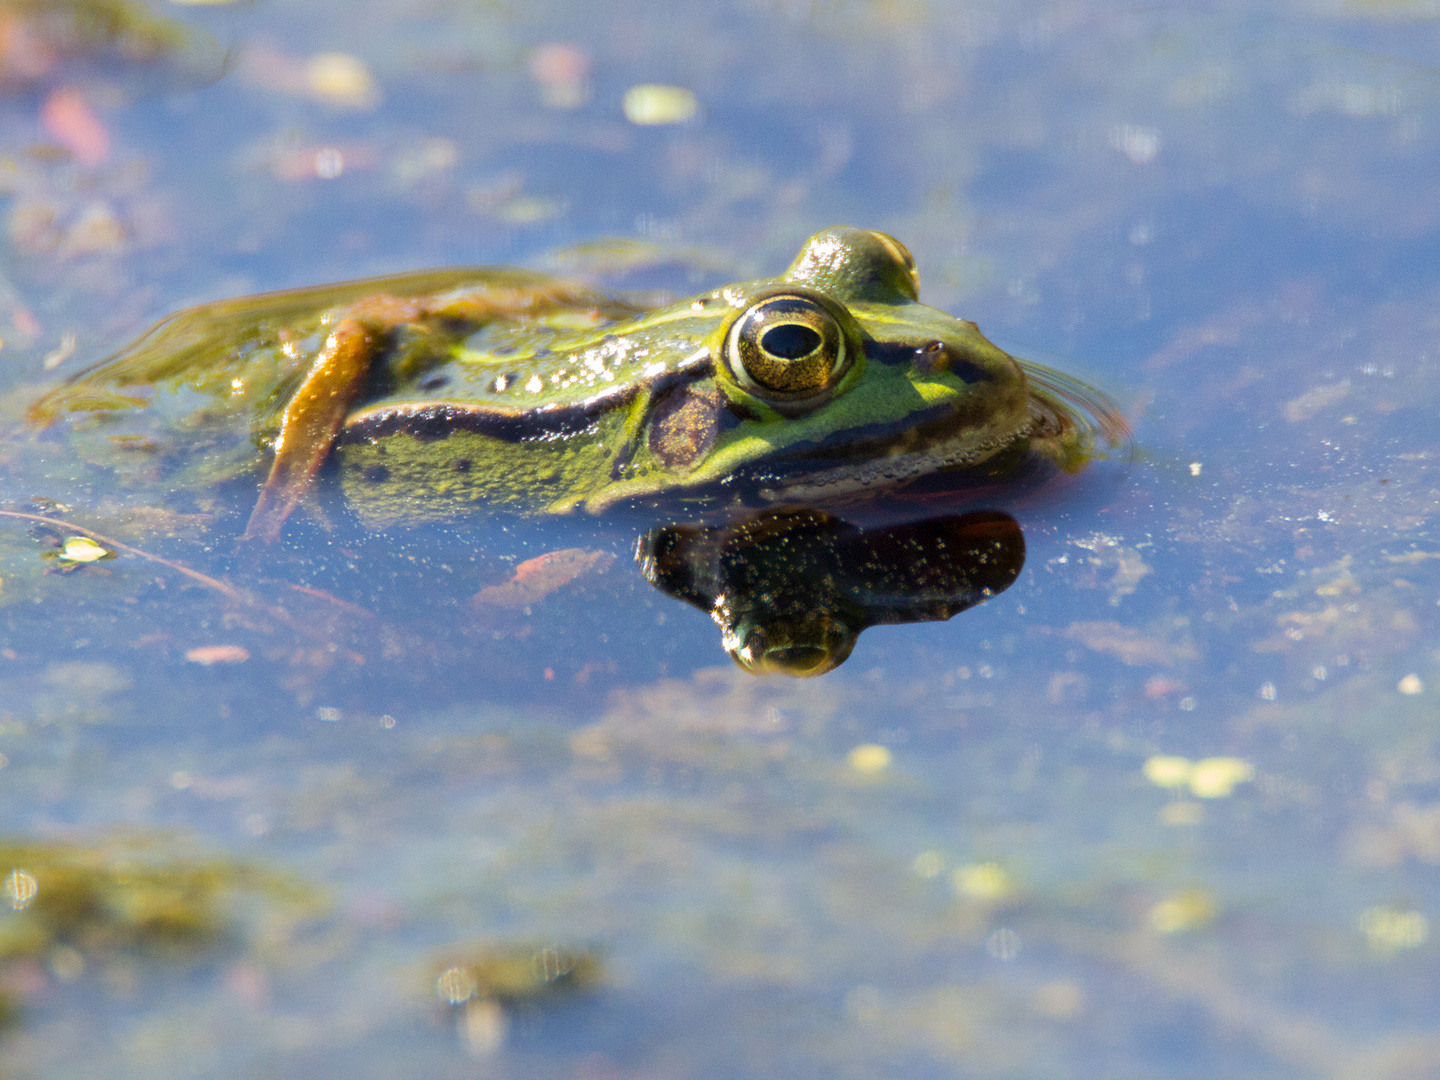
point(983, 881)
point(867, 759)
point(1388, 929)
point(341, 79)
point(1210, 778)
point(563, 72)
point(518, 973)
point(1216, 777)
point(650, 104)
point(1187, 910)
point(70, 120)
point(205, 655)
point(81, 549)
point(537, 578)
point(1168, 771)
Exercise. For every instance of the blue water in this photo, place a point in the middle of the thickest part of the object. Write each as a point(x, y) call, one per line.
point(1223, 216)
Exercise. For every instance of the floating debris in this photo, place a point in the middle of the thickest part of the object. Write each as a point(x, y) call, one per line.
point(341, 79)
point(563, 72)
point(205, 655)
point(517, 974)
point(1210, 778)
point(62, 352)
point(1388, 929)
point(1215, 778)
point(1190, 909)
point(334, 78)
point(650, 104)
point(80, 550)
point(534, 579)
point(68, 118)
point(868, 759)
point(1167, 771)
point(983, 881)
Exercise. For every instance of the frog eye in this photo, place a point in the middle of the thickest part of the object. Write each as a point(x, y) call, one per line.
point(786, 347)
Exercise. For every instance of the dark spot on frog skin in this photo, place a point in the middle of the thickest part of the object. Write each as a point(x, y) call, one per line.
point(377, 474)
point(462, 465)
point(968, 372)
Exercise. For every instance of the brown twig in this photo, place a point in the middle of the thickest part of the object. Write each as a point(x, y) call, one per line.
point(240, 596)
point(321, 594)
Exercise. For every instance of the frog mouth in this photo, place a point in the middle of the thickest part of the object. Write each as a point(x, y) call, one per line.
point(1067, 424)
point(876, 463)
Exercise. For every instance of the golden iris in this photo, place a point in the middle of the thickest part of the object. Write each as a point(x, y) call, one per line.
point(786, 345)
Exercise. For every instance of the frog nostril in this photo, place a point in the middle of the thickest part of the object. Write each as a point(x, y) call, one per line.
point(937, 357)
point(932, 357)
point(790, 341)
point(435, 382)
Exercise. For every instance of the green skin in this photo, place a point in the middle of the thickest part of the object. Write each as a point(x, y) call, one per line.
point(591, 402)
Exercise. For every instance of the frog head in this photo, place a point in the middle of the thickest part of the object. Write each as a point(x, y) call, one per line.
point(829, 379)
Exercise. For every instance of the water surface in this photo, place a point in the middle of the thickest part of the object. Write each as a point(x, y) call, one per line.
point(1169, 806)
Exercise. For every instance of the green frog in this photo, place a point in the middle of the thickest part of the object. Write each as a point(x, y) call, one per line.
point(429, 395)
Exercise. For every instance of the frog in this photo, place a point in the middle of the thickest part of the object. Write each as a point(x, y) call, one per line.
point(428, 396)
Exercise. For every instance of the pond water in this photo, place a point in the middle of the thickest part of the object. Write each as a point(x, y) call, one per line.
point(1168, 806)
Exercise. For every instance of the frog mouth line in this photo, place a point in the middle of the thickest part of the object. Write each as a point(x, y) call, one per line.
point(1057, 418)
point(813, 479)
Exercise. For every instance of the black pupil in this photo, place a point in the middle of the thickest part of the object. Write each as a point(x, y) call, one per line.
point(790, 341)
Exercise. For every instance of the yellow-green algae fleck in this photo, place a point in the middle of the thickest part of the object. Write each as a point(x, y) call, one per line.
point(516, 973)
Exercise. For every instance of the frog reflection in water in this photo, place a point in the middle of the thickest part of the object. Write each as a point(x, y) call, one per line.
point(793, 589)
point(438, 393)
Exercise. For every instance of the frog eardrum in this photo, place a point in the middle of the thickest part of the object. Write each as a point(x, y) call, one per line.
point(790, 350)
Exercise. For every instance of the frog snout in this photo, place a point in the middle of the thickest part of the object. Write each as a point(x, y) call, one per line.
point(802, 646)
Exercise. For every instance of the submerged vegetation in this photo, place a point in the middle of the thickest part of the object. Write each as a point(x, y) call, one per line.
point(70, 908)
